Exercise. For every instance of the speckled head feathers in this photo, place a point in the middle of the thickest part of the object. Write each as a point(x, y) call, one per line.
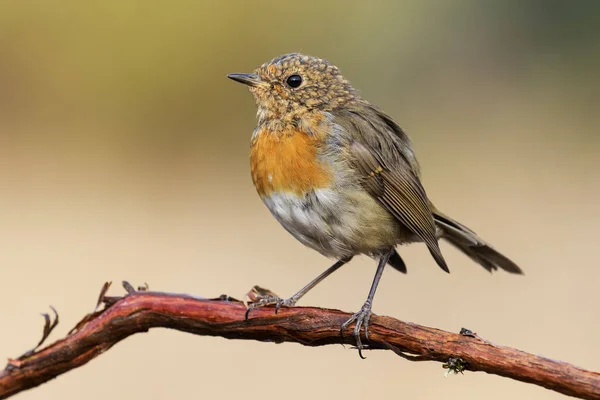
point(296, 83)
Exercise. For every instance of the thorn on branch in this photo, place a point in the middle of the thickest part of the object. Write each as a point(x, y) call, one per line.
point(102, 294)
point(95, 312)
point(49, 325)
point(128, 287)
point(110, 300)
point(467, 332)
point(131, 290)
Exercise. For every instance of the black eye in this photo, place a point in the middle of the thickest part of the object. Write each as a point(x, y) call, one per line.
point(294, 81)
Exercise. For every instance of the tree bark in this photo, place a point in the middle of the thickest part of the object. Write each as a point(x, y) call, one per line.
point(139, 311)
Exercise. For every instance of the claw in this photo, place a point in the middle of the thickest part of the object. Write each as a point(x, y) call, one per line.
point(362, 320)
point(360, 354)
point(269, 300)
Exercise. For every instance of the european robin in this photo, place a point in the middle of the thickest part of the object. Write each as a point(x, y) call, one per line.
point(341, 176)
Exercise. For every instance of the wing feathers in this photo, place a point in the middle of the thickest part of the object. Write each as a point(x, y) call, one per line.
point(381, 154)
point(394, 183)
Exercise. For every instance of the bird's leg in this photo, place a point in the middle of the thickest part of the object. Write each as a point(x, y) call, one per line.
point(269, 299)
point(362, 317)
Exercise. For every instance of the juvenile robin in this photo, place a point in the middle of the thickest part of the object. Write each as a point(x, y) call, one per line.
point(341, 176)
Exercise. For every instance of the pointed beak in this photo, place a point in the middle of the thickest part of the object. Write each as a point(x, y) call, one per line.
point(246, 79)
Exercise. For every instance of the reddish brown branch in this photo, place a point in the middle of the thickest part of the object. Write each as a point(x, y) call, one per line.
point(140, 311)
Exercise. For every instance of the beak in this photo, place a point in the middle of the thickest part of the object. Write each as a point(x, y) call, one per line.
point(246, 79)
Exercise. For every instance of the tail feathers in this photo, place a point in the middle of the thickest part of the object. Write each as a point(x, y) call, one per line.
point(397, 262)
point(473, 246)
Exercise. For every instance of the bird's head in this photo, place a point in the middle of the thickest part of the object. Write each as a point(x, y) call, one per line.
point(293, 84)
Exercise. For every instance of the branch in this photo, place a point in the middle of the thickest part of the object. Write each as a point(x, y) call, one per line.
point(139, 311)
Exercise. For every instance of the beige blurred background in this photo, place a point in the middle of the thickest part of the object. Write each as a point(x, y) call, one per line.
point(124, 155)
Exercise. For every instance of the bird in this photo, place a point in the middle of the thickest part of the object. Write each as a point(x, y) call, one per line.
point(341, 176)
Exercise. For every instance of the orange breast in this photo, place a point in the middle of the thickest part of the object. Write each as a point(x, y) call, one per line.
point(287, 162)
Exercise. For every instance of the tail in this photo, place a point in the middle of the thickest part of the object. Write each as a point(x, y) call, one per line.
point(472, 245)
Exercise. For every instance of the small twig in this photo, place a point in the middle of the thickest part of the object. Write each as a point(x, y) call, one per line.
point(49, 326)
point(141, 310)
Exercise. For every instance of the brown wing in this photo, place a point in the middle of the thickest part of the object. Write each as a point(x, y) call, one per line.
point(381, 153)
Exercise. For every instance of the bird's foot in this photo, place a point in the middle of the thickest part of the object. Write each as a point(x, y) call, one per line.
point(362, 320)
point(261, 297)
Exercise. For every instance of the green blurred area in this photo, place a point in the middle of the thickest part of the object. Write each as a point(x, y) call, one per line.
point(153, 72)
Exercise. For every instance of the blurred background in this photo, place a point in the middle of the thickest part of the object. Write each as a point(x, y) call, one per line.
point(124, 155)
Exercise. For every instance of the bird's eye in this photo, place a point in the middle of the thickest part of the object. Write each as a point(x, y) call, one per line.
point(294, 81)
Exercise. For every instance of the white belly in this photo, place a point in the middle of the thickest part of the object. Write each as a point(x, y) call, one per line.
point(335, 224)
